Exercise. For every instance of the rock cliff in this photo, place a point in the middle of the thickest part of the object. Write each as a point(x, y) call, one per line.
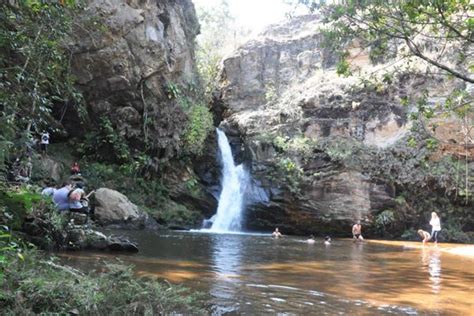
point(129, 57)
point(326, 150)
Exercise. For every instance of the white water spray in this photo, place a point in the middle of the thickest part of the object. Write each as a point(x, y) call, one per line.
point(234, 182)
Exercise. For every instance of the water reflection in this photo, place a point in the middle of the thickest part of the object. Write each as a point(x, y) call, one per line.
point(226, 260)
point(257, 275)
point(358, 264)
point(431, 261)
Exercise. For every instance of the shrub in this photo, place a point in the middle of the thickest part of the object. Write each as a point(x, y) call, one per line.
point(176, 215)
point(200, 124)
point(36, 284)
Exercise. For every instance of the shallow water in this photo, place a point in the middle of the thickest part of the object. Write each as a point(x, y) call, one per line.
point(255, 274)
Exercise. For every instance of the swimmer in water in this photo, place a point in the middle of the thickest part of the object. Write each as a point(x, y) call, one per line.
point(327, 240)
point(311, 240)
point(276, 233)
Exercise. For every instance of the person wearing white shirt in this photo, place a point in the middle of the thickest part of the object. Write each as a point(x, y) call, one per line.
point(44, 141)
point(48, 192)
point(436, 226)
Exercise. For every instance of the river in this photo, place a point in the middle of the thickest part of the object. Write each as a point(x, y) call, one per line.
point(256, 274)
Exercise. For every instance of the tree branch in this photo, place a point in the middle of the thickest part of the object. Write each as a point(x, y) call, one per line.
point(416, 51)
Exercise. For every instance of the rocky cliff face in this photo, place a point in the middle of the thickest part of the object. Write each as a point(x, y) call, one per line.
point(129, 57)
point(326, 150)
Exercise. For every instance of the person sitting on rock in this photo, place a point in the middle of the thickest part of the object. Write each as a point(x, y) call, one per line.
point(49, 190)
point(75, 169)
point(75, 197)
point(310, 240)
point(425, 235)
point(327, 240)
point(61, 197)
point(276, 233)
point(357, 231)
point(24, 171)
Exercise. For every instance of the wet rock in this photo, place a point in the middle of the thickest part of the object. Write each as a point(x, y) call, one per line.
point(80, 237)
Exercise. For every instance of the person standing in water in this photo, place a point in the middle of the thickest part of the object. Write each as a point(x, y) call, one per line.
point(357, 231)
point(436, 226)
point(276, 233)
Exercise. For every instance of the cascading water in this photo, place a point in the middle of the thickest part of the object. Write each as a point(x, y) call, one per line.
point(234, 181)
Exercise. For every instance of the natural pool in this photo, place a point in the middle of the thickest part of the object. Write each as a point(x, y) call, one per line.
point(255, 274)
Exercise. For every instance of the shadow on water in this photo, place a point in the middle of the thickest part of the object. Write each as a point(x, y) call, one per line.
point(252, 274)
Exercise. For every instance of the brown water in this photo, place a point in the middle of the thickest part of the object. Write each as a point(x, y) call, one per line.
point(255, 274)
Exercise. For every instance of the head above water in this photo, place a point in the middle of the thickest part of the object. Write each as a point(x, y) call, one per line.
point(327, 238)
point(276, 229)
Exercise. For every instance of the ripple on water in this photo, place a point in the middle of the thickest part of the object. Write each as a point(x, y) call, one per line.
point(348, 278)
point(283, 287)
point(316, 293)
point(257, 285)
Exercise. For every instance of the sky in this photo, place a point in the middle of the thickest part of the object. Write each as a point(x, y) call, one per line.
point(253, 14)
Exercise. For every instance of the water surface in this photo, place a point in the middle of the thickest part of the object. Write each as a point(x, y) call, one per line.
point(255, 274)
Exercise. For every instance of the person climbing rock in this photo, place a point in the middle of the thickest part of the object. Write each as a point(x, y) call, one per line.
point(357, 231)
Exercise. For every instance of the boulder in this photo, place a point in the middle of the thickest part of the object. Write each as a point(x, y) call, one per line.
point(114, 208)
point(51, 168)
point(69, 231)
point(80, 237)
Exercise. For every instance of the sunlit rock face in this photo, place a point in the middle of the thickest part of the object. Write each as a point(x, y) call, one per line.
point(285, 79)
point(125, 54)
point(283, 87)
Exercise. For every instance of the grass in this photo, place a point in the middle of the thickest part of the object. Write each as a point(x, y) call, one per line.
point(34, 283)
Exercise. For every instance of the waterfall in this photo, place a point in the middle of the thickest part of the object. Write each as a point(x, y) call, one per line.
point(234, 181)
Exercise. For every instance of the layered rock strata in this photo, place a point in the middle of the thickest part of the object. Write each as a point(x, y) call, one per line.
point(321, 146)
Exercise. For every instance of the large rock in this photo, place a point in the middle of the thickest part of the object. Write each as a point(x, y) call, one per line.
point(79, 237)
point(50, 168)
point(323, 149)
point(127, 55)
point(112, 207)
point(66, 234)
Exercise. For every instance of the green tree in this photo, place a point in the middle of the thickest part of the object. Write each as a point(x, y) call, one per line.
point(34, 68)
point(422, 25)
point(219, 34)
point(436, 33)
